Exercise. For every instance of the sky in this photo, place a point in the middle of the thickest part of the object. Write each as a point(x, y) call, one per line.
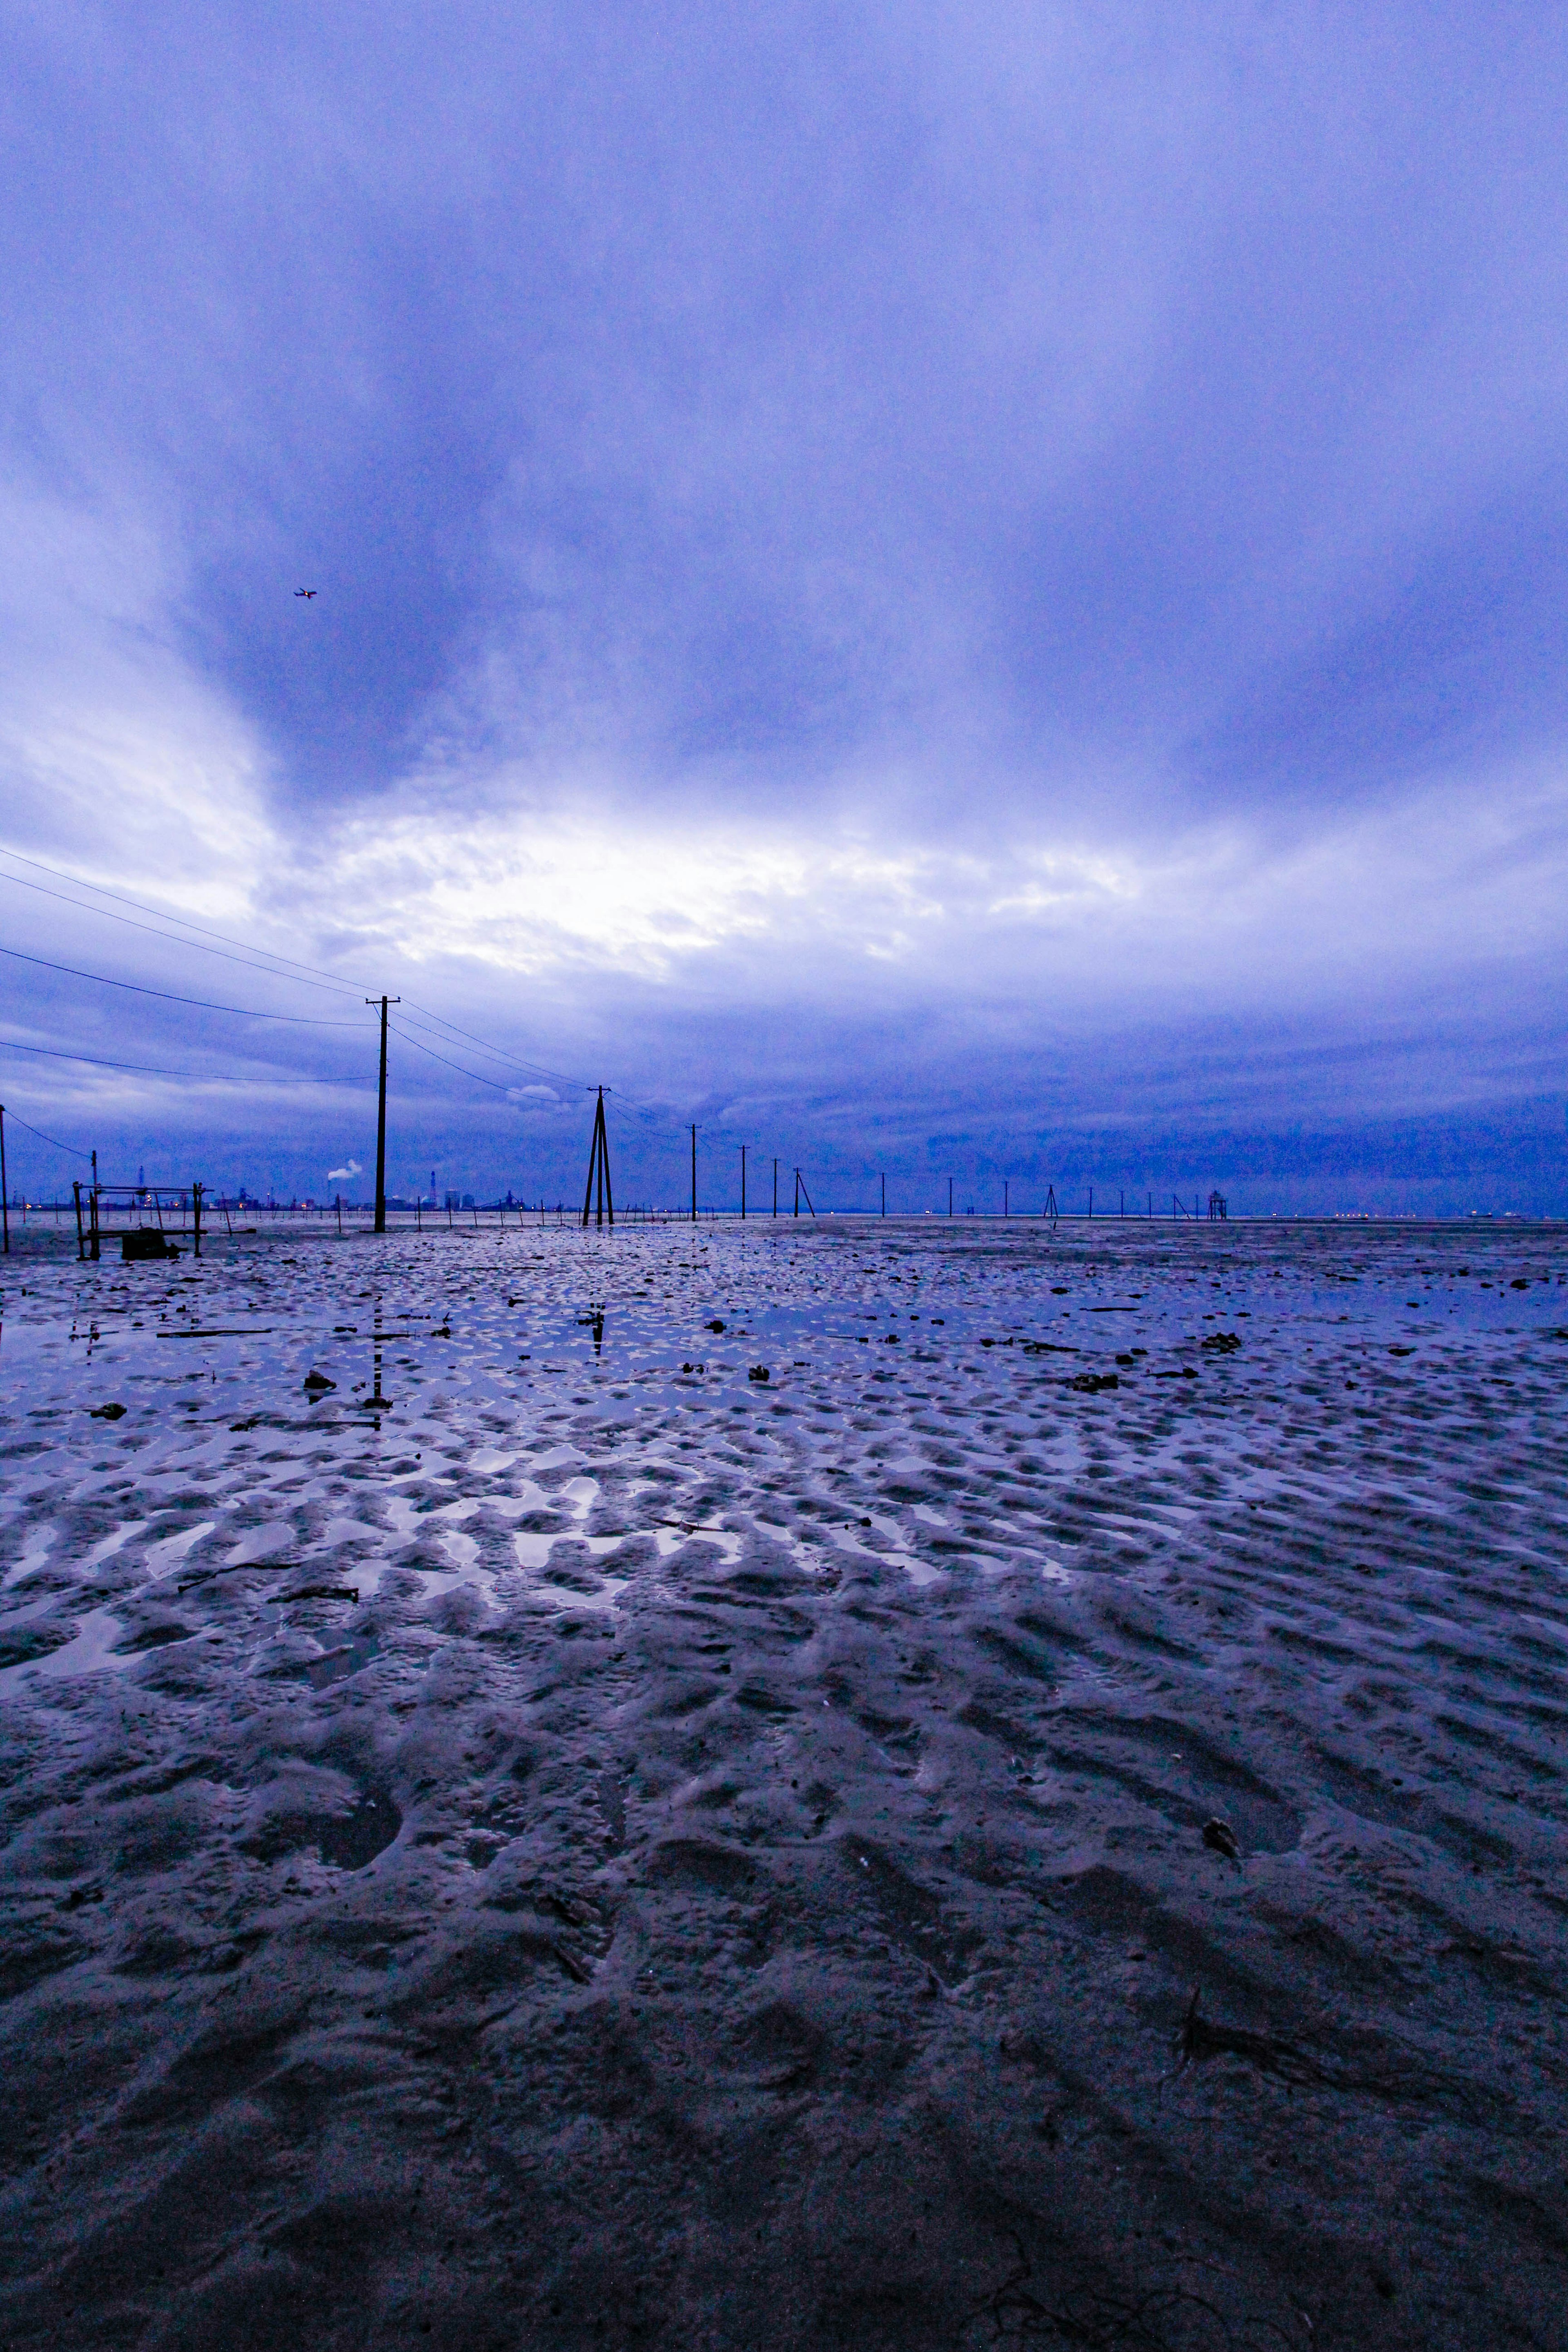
point(955, 592)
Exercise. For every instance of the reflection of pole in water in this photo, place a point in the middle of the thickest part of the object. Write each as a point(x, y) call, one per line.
point(593, 1321)
point(375, 1401)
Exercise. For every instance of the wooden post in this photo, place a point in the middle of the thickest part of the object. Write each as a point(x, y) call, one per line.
point(4, 1196)
point(195, 1220)
point(775, 1188)
point(950, 1196)
point(884, 1196)
point(742, 1184)
point(694, 1172)
point(381, 1121)
point(80, 1237)
point(1006, 1212)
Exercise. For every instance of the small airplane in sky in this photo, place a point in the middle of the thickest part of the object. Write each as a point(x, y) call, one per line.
point(304, 592)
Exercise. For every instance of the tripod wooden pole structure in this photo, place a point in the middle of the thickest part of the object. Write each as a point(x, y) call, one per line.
point(599, 1166)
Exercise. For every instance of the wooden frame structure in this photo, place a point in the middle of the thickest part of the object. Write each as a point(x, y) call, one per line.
point(140, 1209)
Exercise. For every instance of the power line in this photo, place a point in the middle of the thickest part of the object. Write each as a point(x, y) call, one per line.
point(317, 977)
point(500, 1053)
point(21, 883)
point(203, 1004)
point(150, 1070)
point(248, 958)
point(418, 1048)
point(239, 952)
point(71, 1149)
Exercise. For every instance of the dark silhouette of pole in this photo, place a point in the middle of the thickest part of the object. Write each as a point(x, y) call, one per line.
point(5, 1195)
point(742, 1182)
point(1006, 1212)
point(599, 1166)
point(775, 1188)
point(381, 1121)
point(694, 1172)
point(950, 1196)
point(884, 1196)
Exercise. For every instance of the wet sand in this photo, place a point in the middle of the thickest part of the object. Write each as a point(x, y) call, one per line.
point(1041, 1822)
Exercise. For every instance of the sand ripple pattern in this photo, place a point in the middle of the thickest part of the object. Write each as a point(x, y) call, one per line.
point(557, 1839)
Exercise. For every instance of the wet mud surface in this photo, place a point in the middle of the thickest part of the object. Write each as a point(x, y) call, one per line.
point(1041, 1820)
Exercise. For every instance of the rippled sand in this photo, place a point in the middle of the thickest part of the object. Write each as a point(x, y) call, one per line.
point(553, 1840)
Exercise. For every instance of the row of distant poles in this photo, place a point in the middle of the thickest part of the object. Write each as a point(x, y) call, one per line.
point(598, 1200)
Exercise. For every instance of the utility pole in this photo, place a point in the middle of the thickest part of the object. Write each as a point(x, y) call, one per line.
point(599, 1164)
point(4, 1196)
point(775, 1188)
point(884, 1196)
point(1006, 1212)
point(381, 1121)
point(950, 1196)
point(742, 1184)
point(694, 1171)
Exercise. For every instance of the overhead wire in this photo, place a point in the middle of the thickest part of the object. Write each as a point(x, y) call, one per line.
point(312, 974)
point(73, 1151)
point(418, 1048)
point(202, 1003)
point(108, 913)
point(274, 966)
point(195, 1077)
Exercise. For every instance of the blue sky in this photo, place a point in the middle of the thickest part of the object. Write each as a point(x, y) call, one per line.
point(974, 590)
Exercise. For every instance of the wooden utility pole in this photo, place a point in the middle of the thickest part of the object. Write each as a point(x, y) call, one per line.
point(599, 1165)
point(4, 1196)
point(775, 1188)
point(950, 1196)
point(381, 1121)
point(742, 1184)
point(694, 1171)
point(884, 1196)
point(1006, 1212)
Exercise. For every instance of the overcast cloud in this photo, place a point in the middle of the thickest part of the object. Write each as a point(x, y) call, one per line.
point(975, 589)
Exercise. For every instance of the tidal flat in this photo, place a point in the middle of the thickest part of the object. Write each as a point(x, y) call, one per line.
point(895, 1783)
